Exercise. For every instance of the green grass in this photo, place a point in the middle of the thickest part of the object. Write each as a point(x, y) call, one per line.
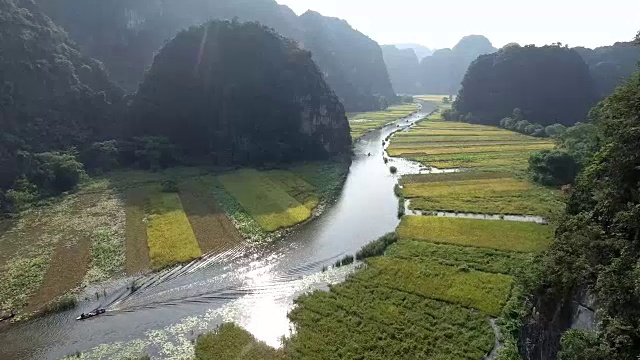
point(299, 189)
point(269, 204)
point(493, 234)
point(230, 341)
point(487, 260)
point(361, 123)
point(485, 195)
point(171, 240)
point(369, 320)
point(472, 289)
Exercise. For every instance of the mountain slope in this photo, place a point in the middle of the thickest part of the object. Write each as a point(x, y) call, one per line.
point(352, 63)
point(442, 72)
point(550, 84)
point(125, 34)
point(420, 50)
point(238, 93)
point(53, 97)
point(403, 67)
point(610, 66)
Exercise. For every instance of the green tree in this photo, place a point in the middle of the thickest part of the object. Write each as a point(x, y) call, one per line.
point(553, 167)
point(555, 130)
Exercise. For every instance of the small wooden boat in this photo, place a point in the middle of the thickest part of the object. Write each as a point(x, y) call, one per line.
point(91, 314)
point(7, 317)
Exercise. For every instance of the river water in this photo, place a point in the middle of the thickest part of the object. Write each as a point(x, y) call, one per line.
point(254, 286)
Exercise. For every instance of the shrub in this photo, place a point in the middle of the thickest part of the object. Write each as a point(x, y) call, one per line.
point(346, 260)
point(102, 156)
point(377, 247)
point(555, 130)
point(393, 169)
point(54, 172)
point(553, 167)
point(521, 126)
point(507, 123)
point(170, 186)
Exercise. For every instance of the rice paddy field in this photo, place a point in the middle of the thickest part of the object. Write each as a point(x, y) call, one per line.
point(361, 123)
point(124, 223)
point(436, 292)
point(460, 145)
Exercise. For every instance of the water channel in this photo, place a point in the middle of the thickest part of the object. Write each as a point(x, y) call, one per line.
point(254, 286)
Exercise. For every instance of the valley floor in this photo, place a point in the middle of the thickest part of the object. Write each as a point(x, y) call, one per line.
point(132, 222)
point(438, 291)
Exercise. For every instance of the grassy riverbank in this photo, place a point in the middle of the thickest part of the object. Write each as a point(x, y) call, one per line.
point(129, 222)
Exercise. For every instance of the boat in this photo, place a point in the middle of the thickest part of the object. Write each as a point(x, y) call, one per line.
point(91, 314)
point(8, 317)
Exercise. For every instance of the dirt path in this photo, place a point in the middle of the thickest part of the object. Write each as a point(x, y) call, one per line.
point(136, 248)
point(211, 226)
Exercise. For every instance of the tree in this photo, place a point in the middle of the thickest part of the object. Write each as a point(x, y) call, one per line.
point(555, 130)
point(553, 167)
point(521, 126)
point(508, 123)
point(580, 140)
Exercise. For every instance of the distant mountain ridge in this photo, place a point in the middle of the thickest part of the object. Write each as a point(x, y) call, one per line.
point(403, 67)
point(125, 34)
point(442, 72)
point(421, 51)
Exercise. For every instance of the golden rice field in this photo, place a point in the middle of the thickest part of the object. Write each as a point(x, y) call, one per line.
point(475, 192)
point(265, 200)
point(492, 234)
point(362, 123)
point(169, 233)
point(460, 145)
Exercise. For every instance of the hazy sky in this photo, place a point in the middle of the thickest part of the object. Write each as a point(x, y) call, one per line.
point(441, 23)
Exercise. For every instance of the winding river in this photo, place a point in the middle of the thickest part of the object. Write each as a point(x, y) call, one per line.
point(254, 286)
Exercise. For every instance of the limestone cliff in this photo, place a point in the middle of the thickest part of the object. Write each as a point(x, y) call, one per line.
point(239, 93)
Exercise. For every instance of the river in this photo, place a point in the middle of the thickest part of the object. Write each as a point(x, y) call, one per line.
point(254, 286)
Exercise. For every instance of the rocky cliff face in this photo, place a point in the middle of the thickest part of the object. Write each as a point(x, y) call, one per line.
point(239, 93)
point(125, 34)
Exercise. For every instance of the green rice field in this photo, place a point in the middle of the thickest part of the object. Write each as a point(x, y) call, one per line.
point(492, 234)
point(362, 123)
point(265, 200)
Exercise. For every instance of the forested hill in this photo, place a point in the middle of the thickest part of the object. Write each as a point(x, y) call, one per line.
point(442, 72)
point(125, 34)
point(52, 96)
point(403, 67)
point(238, 93)
point(611, 65)
point(550, 84)
point(352, 62)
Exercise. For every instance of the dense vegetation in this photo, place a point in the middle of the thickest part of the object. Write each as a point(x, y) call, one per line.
point(596, 247)
point(403, 66)
point(125, 35)
point(550, 84)
point(52, 98)
point(611, 65)
point(245, 104)
point(442, 72)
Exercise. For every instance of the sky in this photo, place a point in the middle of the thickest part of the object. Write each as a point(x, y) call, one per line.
point(440, 24)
